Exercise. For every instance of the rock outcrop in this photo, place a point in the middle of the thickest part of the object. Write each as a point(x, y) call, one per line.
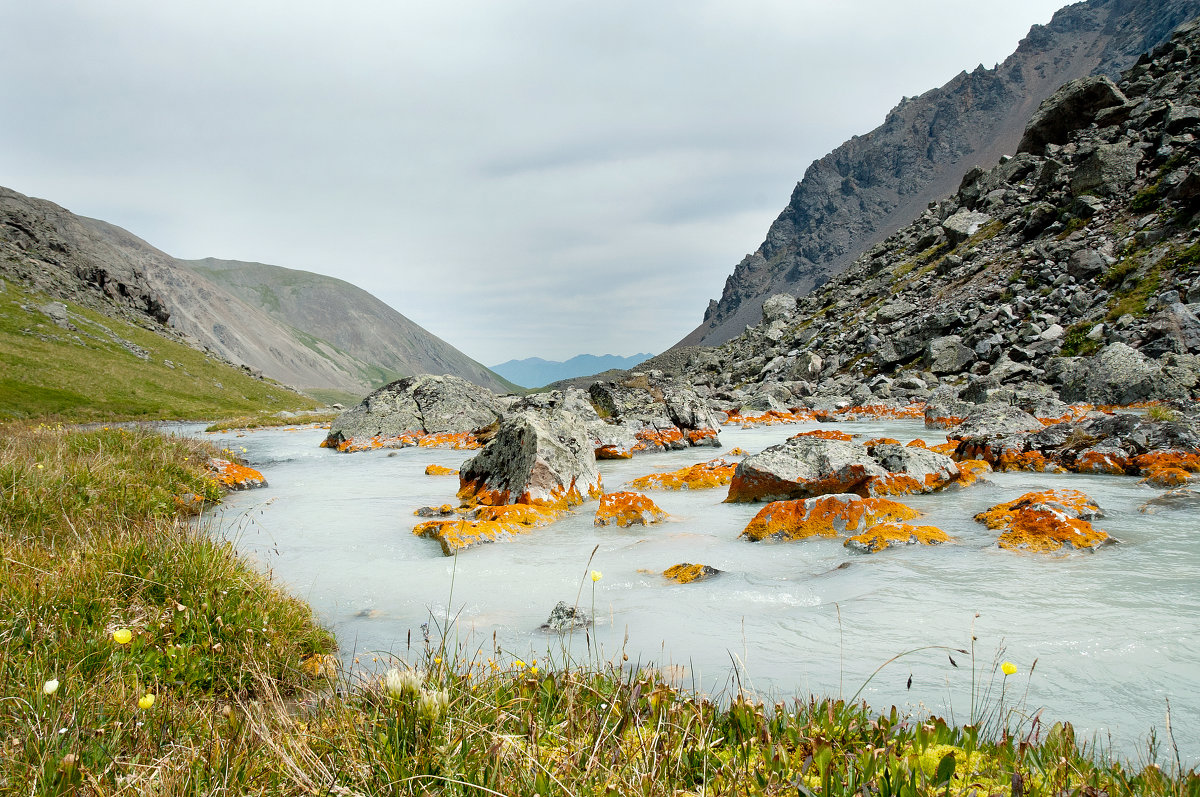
point(545, 459)
point(402, 413)
point(662, 414)
point(626, 509)
point(1047, 522)
point(824, 516)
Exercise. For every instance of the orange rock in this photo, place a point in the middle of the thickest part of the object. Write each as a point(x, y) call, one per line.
point(490, 523)
point(887, 535)
point(1075, 412)
point(918, 443)
point(686, 572)
point(697, 437)
point(714, 473)
point(879, 441)
point(1166, 477)
point(658, 440)
point(473, 493)
point(946, 448)
point(823, 516)
point(944, 422)
point(628, 509)
point(464, 441)
point(1182, 460)
point(614, 452)
point(769, 418)
point(1046, 521)
point(233, 476)
point(826, 434)
point(970, 470)
point(439, 470)
point(736, 452)
point(1101, 461)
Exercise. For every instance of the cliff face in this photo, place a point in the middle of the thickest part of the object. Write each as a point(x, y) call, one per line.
point(346, 340)
point(868, 187)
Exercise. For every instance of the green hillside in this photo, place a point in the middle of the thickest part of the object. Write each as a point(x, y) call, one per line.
point(108, 369)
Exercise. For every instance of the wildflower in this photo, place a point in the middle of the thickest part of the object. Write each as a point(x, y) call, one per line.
point(520, 665)
point(533, 669)
point(122, 636)
point(146, 701)
point(597, 575)
point(402, 683)
point(430, 705)
point(40, 466)
point(50, 687)
point(1008, 668)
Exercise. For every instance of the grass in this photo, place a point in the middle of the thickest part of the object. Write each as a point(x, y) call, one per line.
point(97, 540)
point(95, 374)
point(265, 421)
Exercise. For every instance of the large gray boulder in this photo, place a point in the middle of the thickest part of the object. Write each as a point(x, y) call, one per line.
point(1071, 108)
point(546, 459)
point(662, 414)
point(963, 224)
point(987, 420)
point(415, 405)
point(948, 355)
point(1117, 374)
point(928, 469)
point(1108, 170)
point(803, 467)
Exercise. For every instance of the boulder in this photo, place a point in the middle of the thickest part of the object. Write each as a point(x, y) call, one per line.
point(400, 413)
point(911, 470)
point(1071, 108)
point(1110, 169)
point(890, 535)
point(1178, 328)
point(1086, 264)
point(779, 306)
point(986, 420)
point(481, 524)
point(565, 618)
point(802, 467)
point(1117, 375)
point(628, 509)
point(534, 458)
point(823, 516)
point(1183, 499)
point(1047, 522)
point(714, 473)
point(686, 572)
point(948, 355)
point(963, 224)
point(235, 476)
point(661, 414)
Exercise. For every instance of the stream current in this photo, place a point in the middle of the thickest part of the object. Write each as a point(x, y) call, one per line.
point(1115, 634)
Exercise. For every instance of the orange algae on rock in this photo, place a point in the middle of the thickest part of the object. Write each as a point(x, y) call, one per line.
point(475, 493)
point(769, 418)
point(627, 509)
point(439, 470)
point(614, 452)
point(879, 441)
point(489, 524)
point(970, 471)
point(826, 434)
point(686, 572)
point(464, 441)
point(1167, 477)
point(1072, 503)
point(823, 516)
point(696, 436)
point(1100, 461)
point(887, 535)
point(736, 452)
point(233, 476)
point(1182, 460)
point(704, 475)
point(1046, 521)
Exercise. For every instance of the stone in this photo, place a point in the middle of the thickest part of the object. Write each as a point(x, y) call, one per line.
point(1180, 500)
point(1047, 522)
point(995, 419)
point(661, 414)
point(704, 475)
point(533, 459)
point(802, 467)
point(948, 355)
point(890, 535)
point(779, 306)
point(911, 470)
point(686, 572)
point(564, 618)
point(1179, 327)
point(235, 476)
point(1070, 108)
point(627, 509)
point(401, 413)
point(894, 311)
point(481, 525)
point(963, 224)
point(1108, 170)
point(1086, 264)
point(1116, 375)
point(823, 516)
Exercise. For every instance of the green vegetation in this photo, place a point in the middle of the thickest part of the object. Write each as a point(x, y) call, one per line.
point(96, 373)
point(1132, 287)
point(1160, 413)
point(1076, 343)
point(140, 655)
point(263, 421)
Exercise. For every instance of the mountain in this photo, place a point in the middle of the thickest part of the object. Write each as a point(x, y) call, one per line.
point(871, 185)
point(535, 372)
point(108, 269)
point(1070, 271)
point(348, 317)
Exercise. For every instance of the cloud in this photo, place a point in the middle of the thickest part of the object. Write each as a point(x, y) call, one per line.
point(523, 178)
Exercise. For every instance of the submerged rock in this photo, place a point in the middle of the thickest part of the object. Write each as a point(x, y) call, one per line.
point(1047, 521)
point(628, 509)
point(564, 618)
point(686, 572)
point(1182, 499)
point(803, 467)
point(888, 535)
point(542, 459)
point(823, 516)
point(485, 524)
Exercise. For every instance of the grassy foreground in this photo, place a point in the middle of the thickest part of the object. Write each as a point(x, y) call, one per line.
point(140, 656)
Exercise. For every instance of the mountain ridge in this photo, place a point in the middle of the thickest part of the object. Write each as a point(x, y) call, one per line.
point(535, 372)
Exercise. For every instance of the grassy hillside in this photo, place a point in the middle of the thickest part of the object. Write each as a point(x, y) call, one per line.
point(107, 369)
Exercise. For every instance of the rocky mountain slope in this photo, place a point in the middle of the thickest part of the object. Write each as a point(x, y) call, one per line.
point(1071, 268)
point(105, 268)
point(346, 316)
point(873, 184)
point(535, 372)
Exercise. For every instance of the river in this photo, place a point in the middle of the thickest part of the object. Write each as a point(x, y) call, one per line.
point(1115, 634)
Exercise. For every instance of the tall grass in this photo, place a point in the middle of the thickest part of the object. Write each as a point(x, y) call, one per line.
point(246, 700)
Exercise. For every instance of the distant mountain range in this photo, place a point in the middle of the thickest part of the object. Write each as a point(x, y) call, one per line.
point(873, 184)
point(318, 334)
point(536, 372)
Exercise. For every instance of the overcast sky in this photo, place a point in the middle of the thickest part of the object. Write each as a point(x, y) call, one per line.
point(520, 178)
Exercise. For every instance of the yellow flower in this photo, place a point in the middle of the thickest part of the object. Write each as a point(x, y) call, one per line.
point(597, 575)
point(40, 466)
point(533, 669)
point(519, 664)
point(146, 701)
point(51, 686)
point(122, 636)
point(1008, 668)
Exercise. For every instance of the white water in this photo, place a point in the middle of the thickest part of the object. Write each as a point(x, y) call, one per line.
point(1116, 634)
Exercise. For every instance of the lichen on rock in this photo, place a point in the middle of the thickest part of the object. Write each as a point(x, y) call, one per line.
point(888, 535)
point(1047, 521)
point(628, 509)
point(686, 572)
point(703, 475)
point(824, 516)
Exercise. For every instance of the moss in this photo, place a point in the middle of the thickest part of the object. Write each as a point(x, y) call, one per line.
point(1076, 343)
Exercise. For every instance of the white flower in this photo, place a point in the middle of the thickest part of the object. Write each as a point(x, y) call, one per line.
point(402, 683)
point(50, 687)
point(431, 704)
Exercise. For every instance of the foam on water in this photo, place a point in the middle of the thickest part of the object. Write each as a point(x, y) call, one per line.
point(1114, 634)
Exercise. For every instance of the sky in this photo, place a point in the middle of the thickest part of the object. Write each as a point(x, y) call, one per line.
point(523, 179)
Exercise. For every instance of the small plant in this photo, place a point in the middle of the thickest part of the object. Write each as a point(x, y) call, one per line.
point(1076, 342)
point(1161, 413)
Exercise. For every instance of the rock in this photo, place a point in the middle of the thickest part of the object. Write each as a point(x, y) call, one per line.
point(661, 414)
point(889, 535)
point(1117, 375)
point(705, 475)
point(1072, 107)
point(234, 476)
point(1047, 521)
point(1086, 264)
point(995, 419)
point(546, 460)
point(911, 470)
point(894, 311)
point(57, 312)
point(948, 355)
point(1179, 328)
point(439, 470)
point(485, 524)
point(400, 413)
point(963, 224)
point(1183, 499)
point(628, 509)
point(565, 618)
point(779, 306)
point(686, 572)
point(802, 467)
point(823, 516)
point(1108, 170)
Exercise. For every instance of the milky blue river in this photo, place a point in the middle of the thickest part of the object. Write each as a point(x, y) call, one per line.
point(1115, 634)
